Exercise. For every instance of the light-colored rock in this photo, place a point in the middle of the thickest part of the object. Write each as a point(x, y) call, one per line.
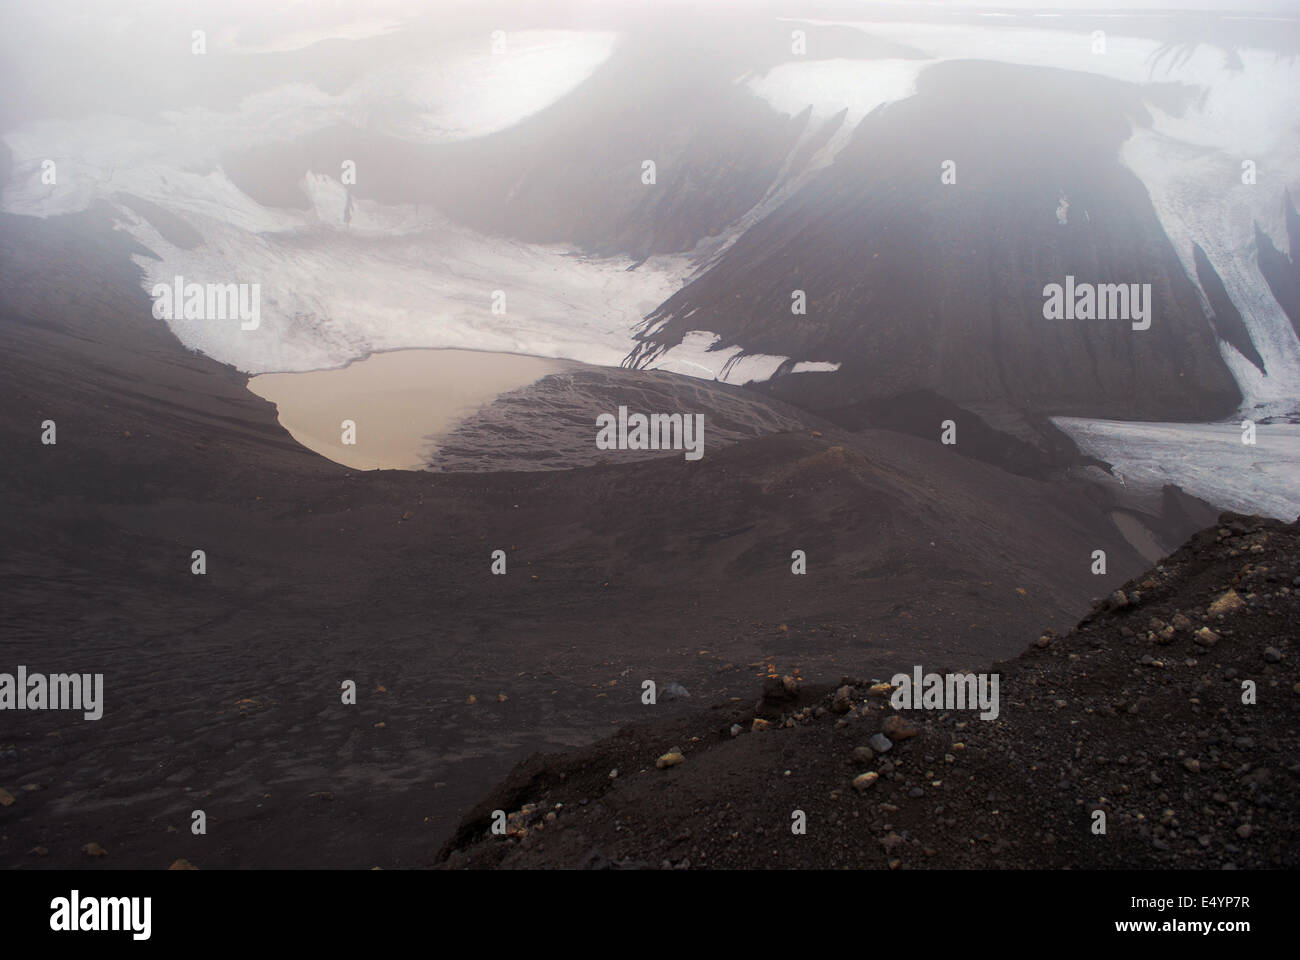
point(896, 728)
point(866, 780)
point(1230, 602)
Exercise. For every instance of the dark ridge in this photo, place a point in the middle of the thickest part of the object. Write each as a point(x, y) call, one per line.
point(921, 413)
point(1227, 319)
point(550, 424)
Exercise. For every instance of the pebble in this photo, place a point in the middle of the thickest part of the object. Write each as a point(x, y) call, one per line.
point(897, 728)
point(1272, 655)
point(1192, 765)
point(843, 699)
point(1206, 637)
point(880, 743)
point(1228, 603)
point(865, 780)
point(670, 759)
point(736, 729)
point(863, 754)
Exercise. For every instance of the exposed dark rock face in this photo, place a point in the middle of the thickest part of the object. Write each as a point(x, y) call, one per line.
point(915, 284)
point(170, 227)
point(1227, 318)
point(1283, 272)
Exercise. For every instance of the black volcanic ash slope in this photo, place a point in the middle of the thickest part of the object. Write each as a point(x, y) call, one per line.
point(1138, 713)
point(913, 284)
point(224, 687)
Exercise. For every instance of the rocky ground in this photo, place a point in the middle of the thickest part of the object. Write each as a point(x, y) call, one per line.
point(1173, 707)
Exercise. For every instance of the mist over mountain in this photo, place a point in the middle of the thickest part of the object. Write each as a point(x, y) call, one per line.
point(920, 178)
point(975, 313)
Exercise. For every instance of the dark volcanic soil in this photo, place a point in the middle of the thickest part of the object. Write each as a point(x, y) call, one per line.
point(222, 691)
point(1139, 713)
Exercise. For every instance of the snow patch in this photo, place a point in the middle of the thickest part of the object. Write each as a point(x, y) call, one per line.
point(695, 357)
point(829, 86)
point(1208, 460)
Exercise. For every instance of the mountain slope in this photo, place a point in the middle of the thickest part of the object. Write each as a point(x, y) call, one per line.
point(912, 283)
point(1153, 733)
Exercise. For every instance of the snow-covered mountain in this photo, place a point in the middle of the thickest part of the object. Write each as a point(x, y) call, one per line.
point(917, 178)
